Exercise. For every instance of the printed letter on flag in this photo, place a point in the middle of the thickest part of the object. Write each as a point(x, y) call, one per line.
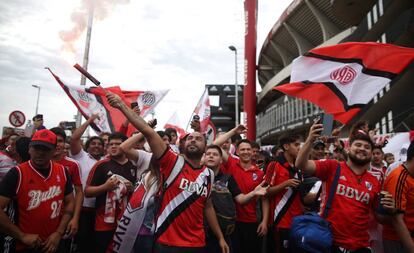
point(343, 78)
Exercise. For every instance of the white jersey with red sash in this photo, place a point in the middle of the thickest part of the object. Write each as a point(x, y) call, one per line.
point(39, 200)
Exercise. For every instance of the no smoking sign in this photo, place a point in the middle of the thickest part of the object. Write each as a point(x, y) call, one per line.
point(17, 118)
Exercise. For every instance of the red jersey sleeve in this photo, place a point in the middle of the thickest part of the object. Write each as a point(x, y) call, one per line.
point(167, 162)
point(74, 171)
point(325, 169)
point(229, 165)
point(270, 175)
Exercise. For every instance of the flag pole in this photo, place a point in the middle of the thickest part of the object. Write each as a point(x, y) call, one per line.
point(86, 57)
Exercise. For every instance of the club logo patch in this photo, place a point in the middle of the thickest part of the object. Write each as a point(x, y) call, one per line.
point(344, 75)
point(254, 176)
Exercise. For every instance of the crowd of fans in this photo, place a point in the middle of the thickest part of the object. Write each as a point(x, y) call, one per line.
point(159, 192)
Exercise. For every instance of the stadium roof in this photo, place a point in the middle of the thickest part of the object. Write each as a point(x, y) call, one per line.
point(305, 24)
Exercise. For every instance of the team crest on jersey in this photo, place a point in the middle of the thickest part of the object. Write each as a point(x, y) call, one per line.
point(254, 176)
point(368, 185)
point(58, 178)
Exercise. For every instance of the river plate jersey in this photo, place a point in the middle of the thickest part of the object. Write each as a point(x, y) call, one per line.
point(180, 220)
point(351, 205)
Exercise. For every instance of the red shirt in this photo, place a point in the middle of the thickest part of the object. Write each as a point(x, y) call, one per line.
point(247, 180)
point(276, 174)
point(180, 220)
point(39, 200)
point(98, 175)
point(73, 168)
point(351, 205)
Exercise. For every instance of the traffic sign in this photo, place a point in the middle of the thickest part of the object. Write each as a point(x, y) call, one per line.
point(17, 118)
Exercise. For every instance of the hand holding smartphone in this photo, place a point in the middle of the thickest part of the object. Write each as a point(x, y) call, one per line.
point(327, 121)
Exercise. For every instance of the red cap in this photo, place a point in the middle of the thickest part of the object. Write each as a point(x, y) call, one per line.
point(184, 136)
point(44, 138)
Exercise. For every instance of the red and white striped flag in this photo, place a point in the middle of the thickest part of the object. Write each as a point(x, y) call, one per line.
point(343, 78)
point(93, 101)
point(174, 122)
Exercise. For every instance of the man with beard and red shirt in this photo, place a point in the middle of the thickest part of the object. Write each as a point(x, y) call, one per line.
point(186, 201)
point(42, 191)
point(356, 192)
point(74, 171)
point(284, 195)
point(249, 228)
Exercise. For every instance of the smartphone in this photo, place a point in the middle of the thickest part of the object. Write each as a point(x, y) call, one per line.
point(327, 121)
point(196, 117)
point(134, 104)
point(69, 125)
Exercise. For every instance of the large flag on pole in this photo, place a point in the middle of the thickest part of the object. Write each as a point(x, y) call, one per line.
point(147, 101)
point(93, 101)
point(203, 111)
point(343, 78)
point(174, 122)
point(88, 104)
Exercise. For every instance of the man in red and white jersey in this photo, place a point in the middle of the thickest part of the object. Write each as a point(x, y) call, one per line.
point(356, 192)
point(249, 227)
point(41, 188)
point(73, 168)
point(185, 202)
point(378, 167)
point(94, 149)
point(284, 195)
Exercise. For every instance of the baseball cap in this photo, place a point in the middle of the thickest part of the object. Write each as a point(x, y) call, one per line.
point(44, 138)
point(38, 116)
point(317, 143)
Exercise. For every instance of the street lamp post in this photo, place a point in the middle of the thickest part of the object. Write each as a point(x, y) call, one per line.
point(236, 86)
point(38, 96)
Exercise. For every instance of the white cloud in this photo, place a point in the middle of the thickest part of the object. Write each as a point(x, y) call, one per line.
point(177, 45)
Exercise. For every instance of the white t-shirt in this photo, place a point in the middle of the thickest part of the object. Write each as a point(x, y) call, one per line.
point(86, 162)
point(144, 159)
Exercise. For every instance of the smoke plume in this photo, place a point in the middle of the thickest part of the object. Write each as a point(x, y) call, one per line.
point(101, 9)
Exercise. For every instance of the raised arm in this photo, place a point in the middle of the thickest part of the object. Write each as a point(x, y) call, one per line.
point(224, 137)
point(302, 161)
point(128, 146)
point(157, 145)
point(75, 141)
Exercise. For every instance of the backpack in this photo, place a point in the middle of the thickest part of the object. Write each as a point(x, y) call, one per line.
point(224, 205)
point(311, 232)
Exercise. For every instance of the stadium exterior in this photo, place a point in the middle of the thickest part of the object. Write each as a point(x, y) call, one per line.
point(308, 24)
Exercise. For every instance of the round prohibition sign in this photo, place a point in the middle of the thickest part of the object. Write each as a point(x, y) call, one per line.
point(17, 118)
